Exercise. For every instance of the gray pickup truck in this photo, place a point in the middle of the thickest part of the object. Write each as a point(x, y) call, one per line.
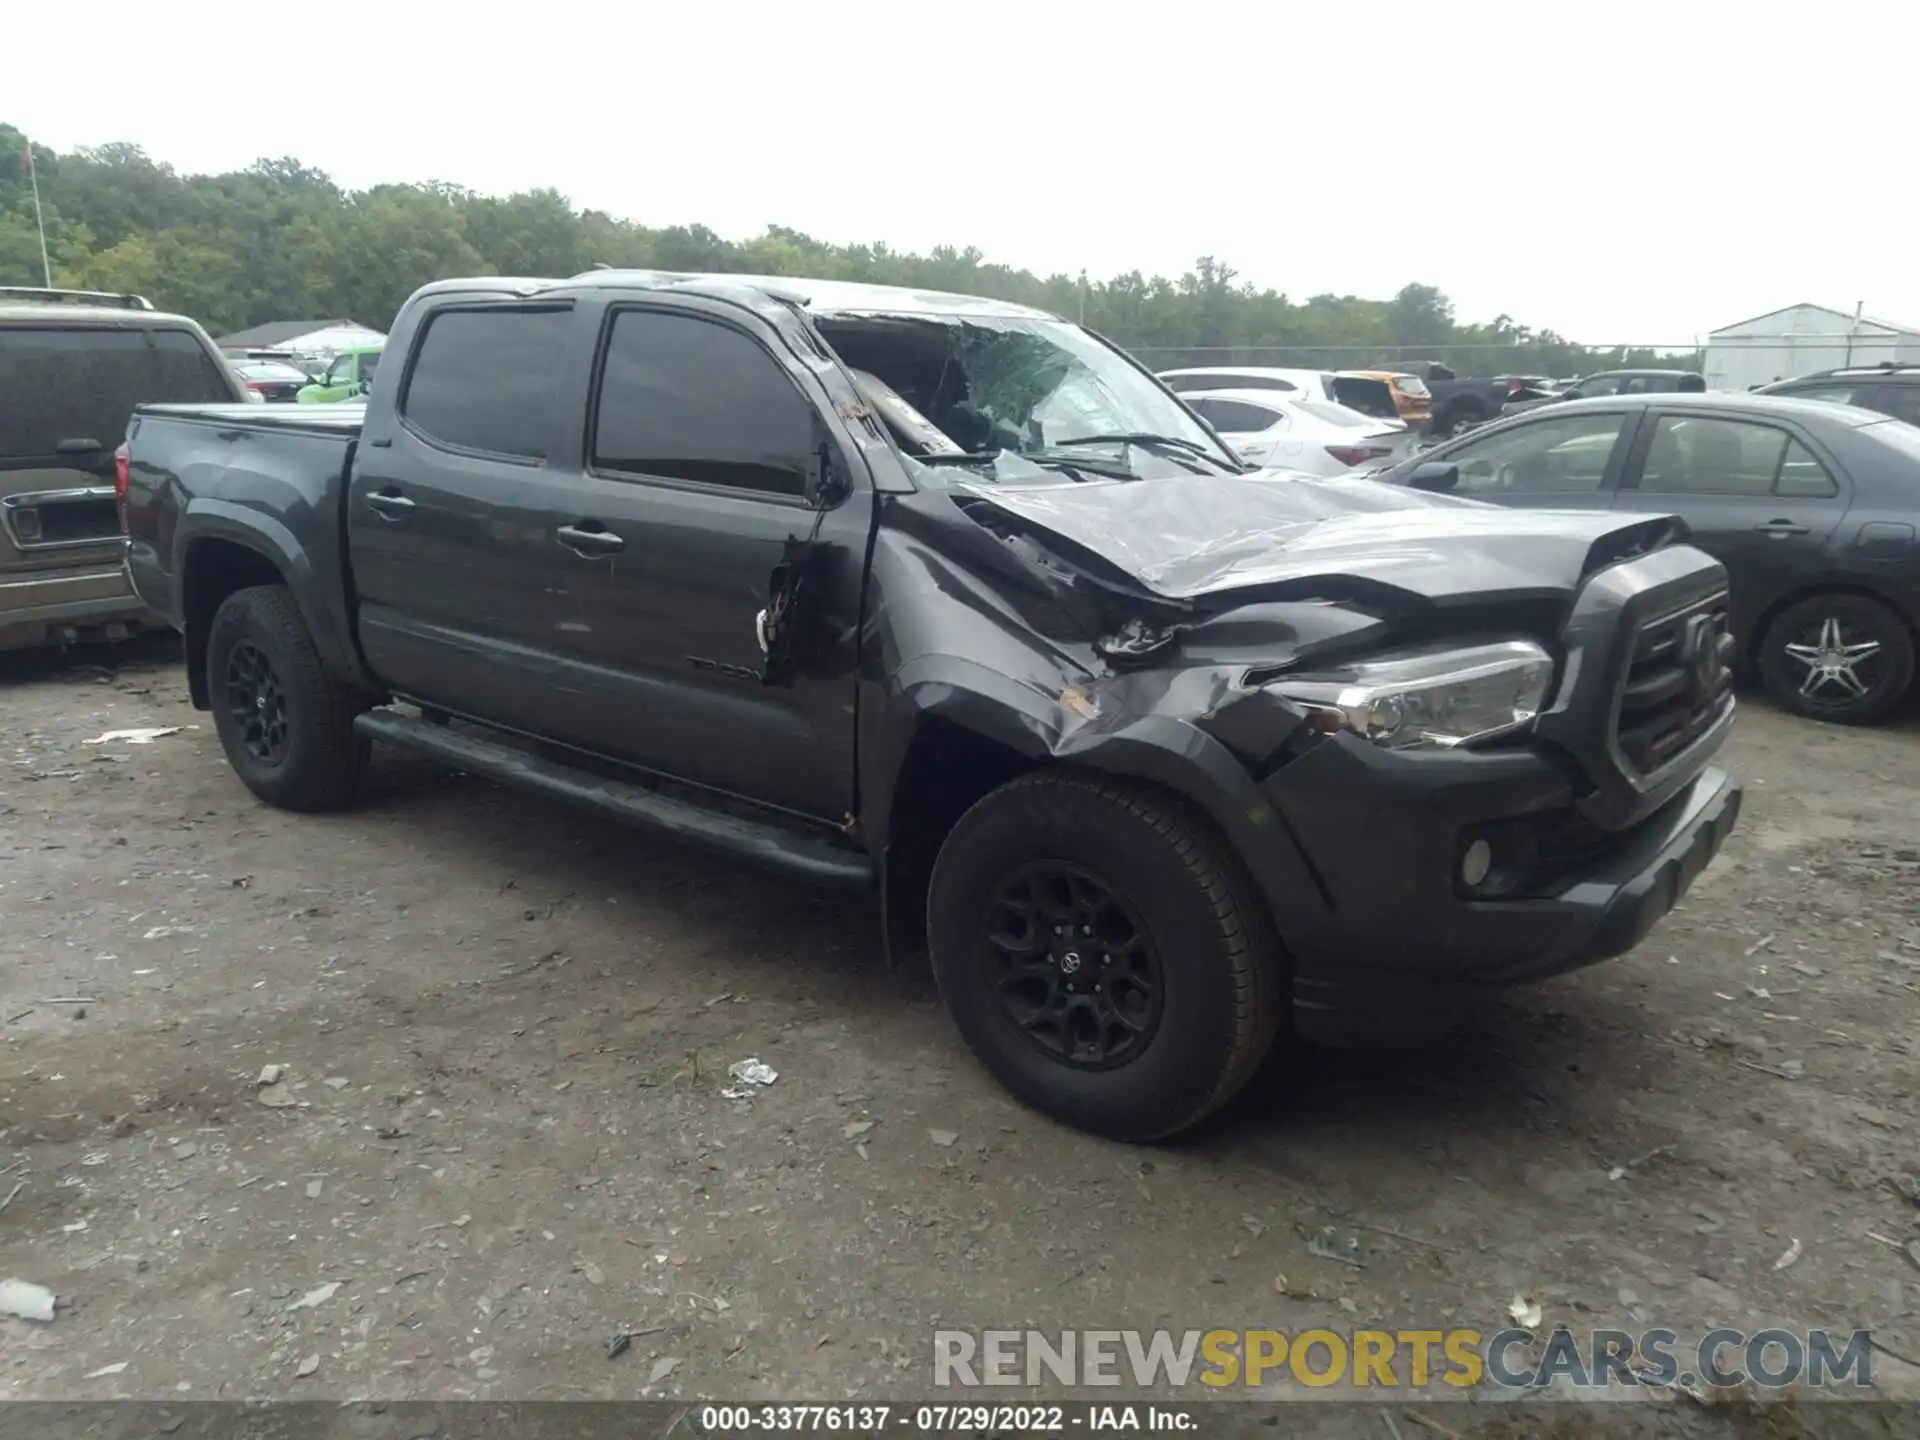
point(949, 601)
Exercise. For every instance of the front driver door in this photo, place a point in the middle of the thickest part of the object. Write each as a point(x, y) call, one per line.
point(1559, 461)
point(702, 437)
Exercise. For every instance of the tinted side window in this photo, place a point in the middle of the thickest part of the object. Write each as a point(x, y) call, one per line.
point(369, 364)
point(1847, 394)
point(1599, 385)
point(1693, 455)
point(1802, 477)
point(1236, 416)
point(487, 379)
point(184, 371)
point(689, 399)
point(1900, 401)
point(1567, 455)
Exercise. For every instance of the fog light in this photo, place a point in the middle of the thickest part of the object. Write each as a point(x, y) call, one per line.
point(1475, 864)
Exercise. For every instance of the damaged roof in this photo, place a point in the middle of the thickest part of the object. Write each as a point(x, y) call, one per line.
point(824, 298)
point(821, 297)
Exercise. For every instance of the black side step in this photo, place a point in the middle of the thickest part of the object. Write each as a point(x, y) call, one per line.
point(773, 846)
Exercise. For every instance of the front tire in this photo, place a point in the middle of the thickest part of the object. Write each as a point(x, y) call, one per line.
point(285, 723)
point(1103, 953)
point(1838, 657)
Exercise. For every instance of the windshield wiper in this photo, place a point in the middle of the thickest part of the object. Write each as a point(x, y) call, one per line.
point(1092, 465)
point(1147, 440)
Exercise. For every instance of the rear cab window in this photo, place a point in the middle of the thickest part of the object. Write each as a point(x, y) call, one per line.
point(486, 379)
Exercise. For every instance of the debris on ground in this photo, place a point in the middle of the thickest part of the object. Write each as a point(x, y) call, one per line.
point(336, 1082)
point(185, 1150)
point(857, 1129)
point(1329, 1244)
point(618, 1343)
point(1621, 1171)
point(307, 1367)
point(749, 1075)
point(1792, 1254)
point(1913, 1253)
point(943, 1138)
point(26, 1300)
point(270, 1074)
point(662, 1368)
point(116, 1368)
point(1525, 1312)
point(145, 735)
point(319, 1295)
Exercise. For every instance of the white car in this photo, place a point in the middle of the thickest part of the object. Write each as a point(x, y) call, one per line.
point(1370, 395)
point(1315, 437)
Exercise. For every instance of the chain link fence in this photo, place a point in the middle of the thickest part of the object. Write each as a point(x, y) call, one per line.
point(1465, 359)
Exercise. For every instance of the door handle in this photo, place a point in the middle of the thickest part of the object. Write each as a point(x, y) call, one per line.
point(1780, 529)
point(590, 542)
point(390, 503)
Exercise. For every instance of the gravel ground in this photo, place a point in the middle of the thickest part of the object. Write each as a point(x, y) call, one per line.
point(500, 1135)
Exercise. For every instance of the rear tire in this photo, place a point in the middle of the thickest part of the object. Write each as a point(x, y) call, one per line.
point(285, 723)
point(1813, 659)
point(1103, 953)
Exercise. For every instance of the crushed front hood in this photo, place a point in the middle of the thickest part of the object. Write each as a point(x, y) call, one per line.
point(1189, 537)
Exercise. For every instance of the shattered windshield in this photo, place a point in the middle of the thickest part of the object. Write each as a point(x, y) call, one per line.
point(1012, 398)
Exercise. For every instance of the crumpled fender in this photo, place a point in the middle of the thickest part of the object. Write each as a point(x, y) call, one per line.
point(1145, 727)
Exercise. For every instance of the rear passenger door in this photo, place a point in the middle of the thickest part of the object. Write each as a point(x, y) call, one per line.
point(1755, 494)
point(450, 517)
point(700, 442)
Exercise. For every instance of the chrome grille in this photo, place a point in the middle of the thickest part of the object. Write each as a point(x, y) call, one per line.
point(1676, 685)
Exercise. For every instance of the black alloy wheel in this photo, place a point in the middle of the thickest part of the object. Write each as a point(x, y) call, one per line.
point(1104, 953)
point(257, 703)
point(1073, 965)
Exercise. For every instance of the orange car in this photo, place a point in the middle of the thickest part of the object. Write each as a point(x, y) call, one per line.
point(1412, 401)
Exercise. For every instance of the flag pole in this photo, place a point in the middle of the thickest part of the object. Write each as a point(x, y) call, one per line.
point(40, 220)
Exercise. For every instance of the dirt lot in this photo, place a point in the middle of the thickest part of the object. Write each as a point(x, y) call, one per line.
point(506, 1029)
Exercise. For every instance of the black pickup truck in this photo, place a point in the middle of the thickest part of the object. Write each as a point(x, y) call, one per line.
point(948, 600)
point(1458, 404)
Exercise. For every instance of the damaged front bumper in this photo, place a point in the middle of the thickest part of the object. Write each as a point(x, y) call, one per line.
point(1404, 942)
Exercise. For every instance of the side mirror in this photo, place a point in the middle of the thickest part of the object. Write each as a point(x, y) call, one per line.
point(1438, 476)
point(366, 387)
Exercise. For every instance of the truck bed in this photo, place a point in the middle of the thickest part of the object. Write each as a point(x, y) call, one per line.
point(275, 475)
point(323, 419)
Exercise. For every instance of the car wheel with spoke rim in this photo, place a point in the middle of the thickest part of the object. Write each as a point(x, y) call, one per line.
point(1103, 953)
point(1839, 657)
point(285, 723)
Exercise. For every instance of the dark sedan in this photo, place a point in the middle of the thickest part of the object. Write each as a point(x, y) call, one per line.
point(1811, 506)
point(272, 380)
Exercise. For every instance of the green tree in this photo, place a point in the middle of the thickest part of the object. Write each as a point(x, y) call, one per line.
point(280, 240)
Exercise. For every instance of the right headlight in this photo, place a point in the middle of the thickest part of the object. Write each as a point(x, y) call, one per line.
point(1432, 699)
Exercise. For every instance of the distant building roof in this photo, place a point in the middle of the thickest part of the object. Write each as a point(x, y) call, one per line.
point(279, 332)
point(1864, 321)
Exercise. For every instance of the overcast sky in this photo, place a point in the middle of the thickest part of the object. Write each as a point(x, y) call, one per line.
point(1625, 172)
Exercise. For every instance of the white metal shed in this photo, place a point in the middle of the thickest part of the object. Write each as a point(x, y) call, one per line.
point(1799, 340)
